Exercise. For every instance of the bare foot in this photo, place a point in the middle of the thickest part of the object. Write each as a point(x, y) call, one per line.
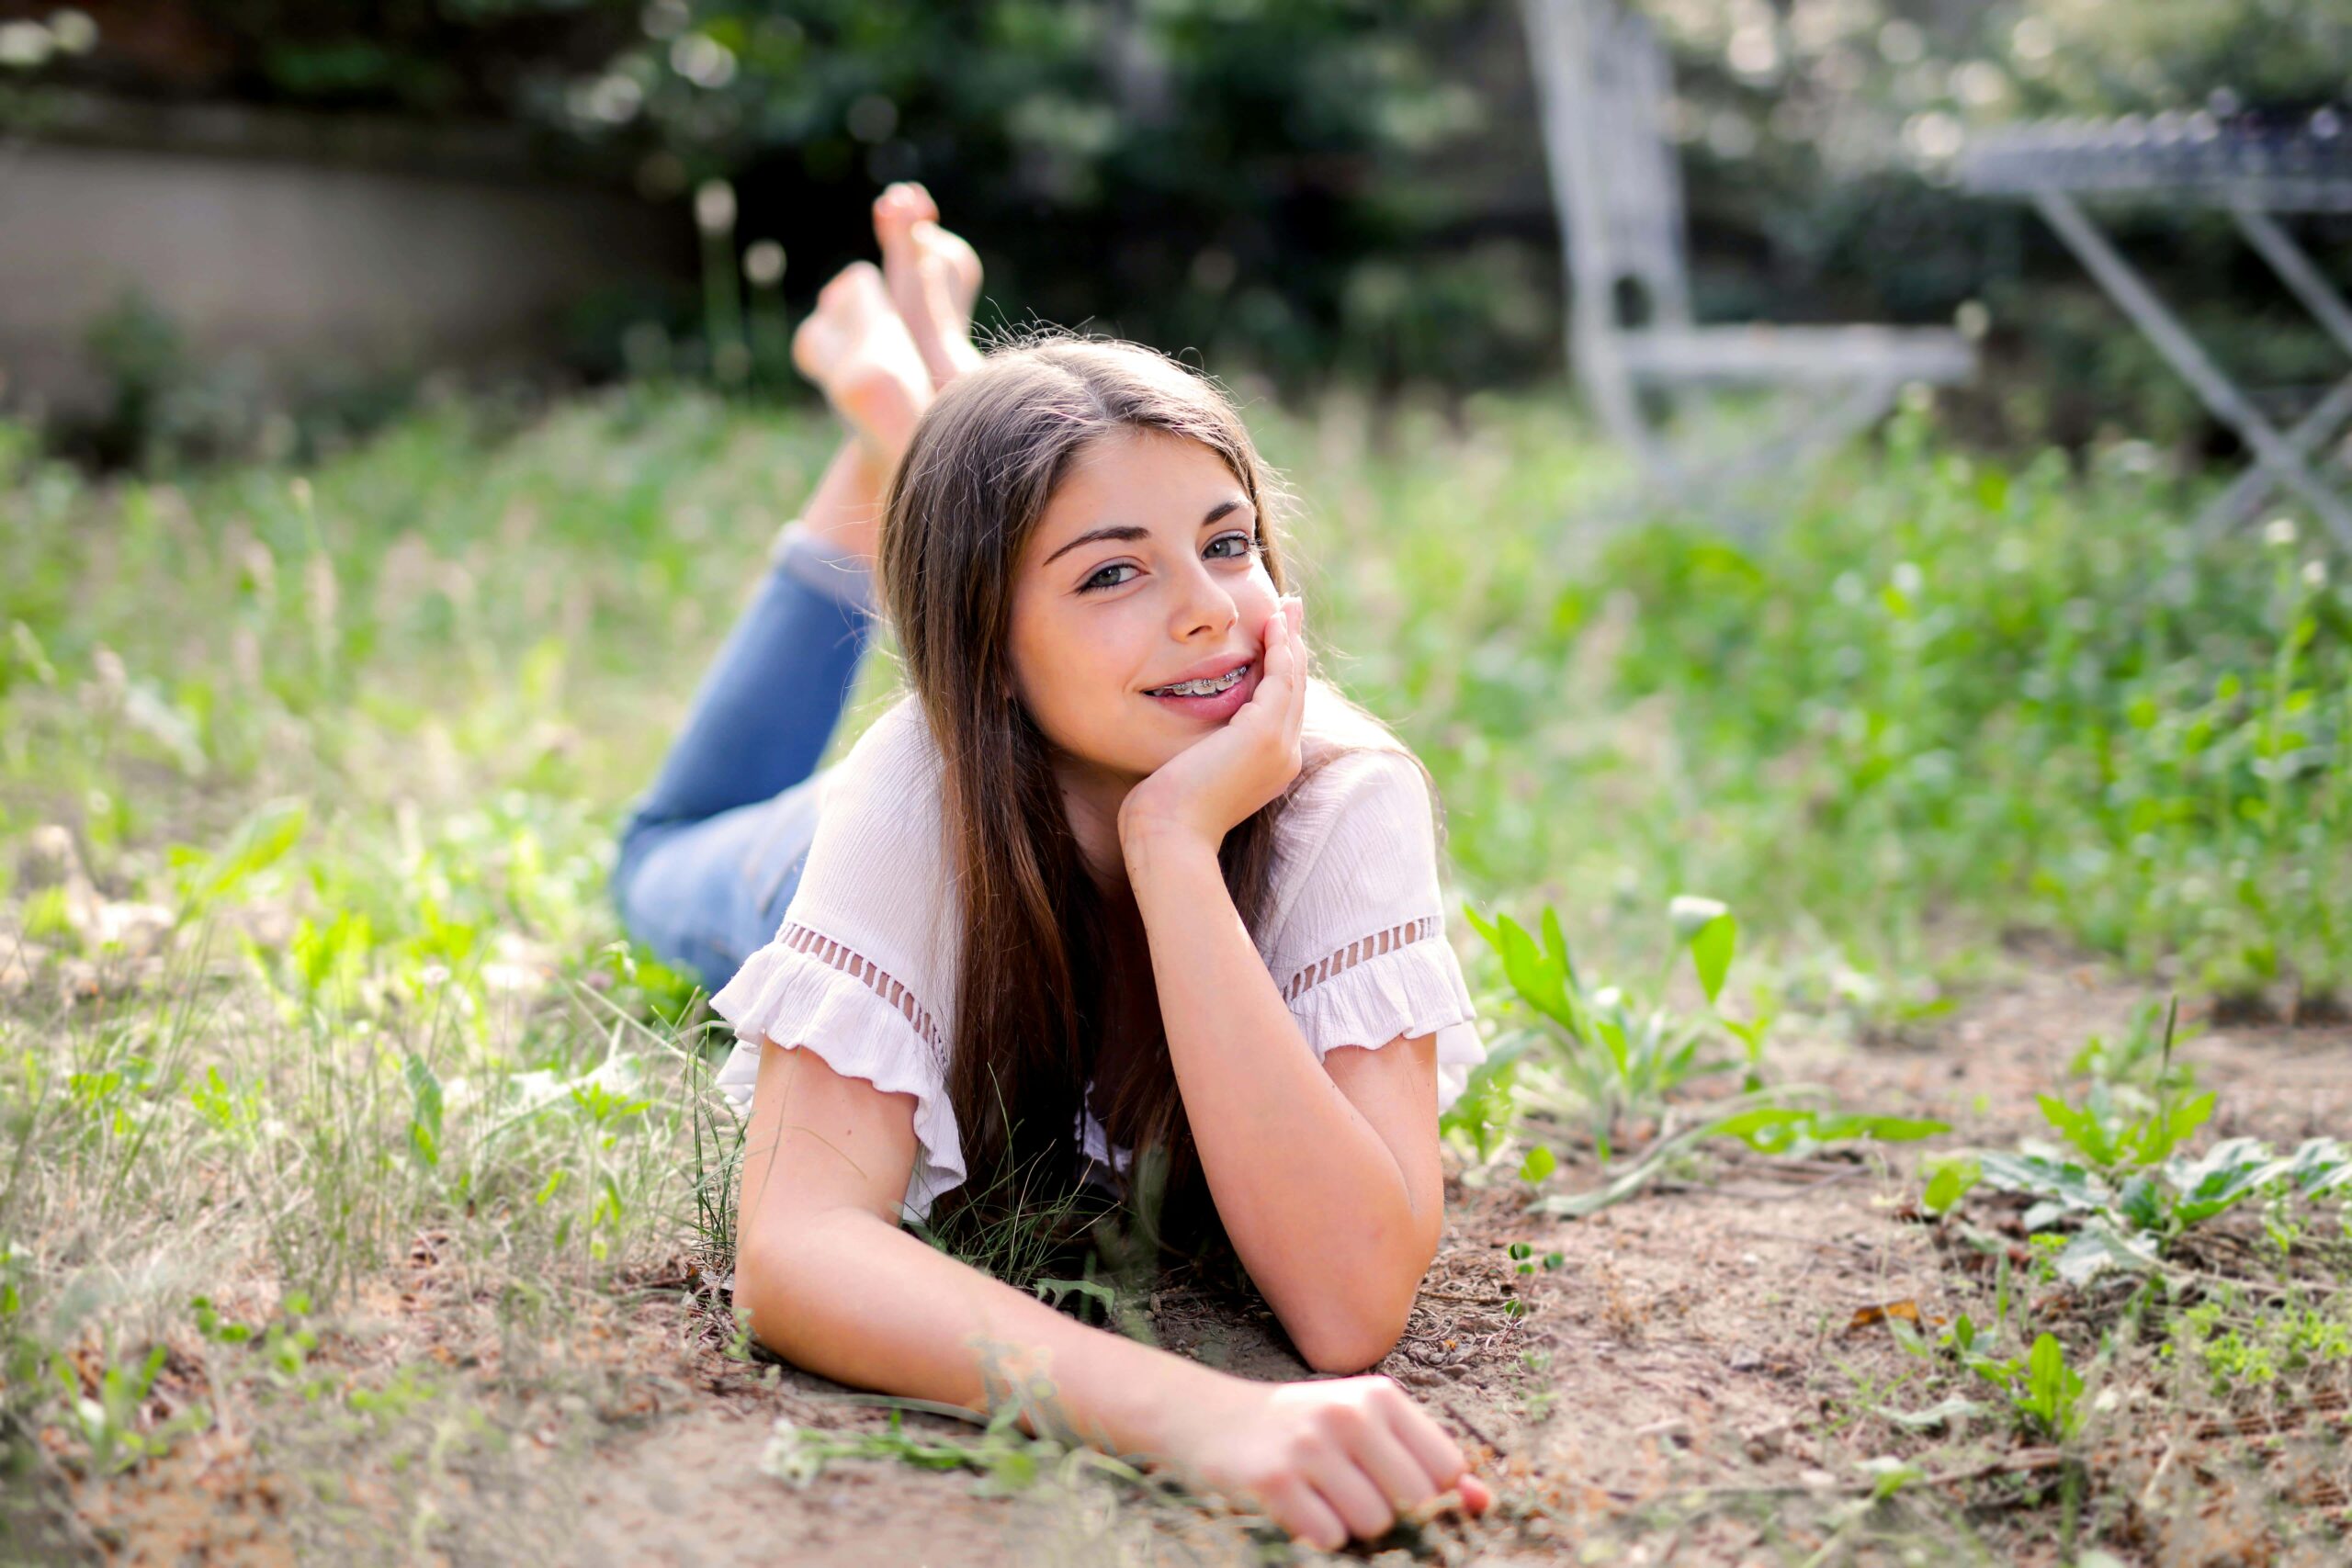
point(933, 276)
point(856, 349)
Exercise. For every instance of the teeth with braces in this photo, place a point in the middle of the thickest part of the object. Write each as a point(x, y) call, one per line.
point(1202, 688)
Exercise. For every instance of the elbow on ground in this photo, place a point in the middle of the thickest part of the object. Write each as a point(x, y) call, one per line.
point(769, 1287)
point(1348, 1348)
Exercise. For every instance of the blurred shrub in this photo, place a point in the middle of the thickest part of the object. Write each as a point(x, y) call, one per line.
point(165, 409)
point(1244, 177)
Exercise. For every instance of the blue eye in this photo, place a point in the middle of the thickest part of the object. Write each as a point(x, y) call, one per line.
point(1092, 583)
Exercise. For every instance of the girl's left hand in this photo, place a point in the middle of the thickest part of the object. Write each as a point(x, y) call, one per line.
point(1218, 781)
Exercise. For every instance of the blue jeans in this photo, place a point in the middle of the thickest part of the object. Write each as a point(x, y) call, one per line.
point(712, 852)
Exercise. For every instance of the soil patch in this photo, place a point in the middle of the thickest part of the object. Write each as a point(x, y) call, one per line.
point(1701, 1376)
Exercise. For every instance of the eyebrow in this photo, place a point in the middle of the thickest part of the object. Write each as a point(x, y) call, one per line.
point(1124, 531)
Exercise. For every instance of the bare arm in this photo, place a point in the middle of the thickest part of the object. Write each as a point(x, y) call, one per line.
point(835, 1286)
point(1326, 1173)
point(832, 1283)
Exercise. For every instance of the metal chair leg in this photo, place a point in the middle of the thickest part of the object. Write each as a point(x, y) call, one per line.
point(2251, 489)
point(2220, 395)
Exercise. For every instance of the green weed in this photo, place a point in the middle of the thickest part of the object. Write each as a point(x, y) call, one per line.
point(2244, 1343)
point(1608, 1058)
point(2045, 1394)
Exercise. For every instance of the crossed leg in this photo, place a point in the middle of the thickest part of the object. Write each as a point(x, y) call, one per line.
point(712, 851)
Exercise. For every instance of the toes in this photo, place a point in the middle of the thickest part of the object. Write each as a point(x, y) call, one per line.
point(904, 202)
point(942, 295)
point(958, 261)
point(838, 287)
point(896, 211)
point(919, 201)
point(854, 290)
point(816, 344)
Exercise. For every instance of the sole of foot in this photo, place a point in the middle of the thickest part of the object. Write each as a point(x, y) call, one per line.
point(855, 346)
point(933, 278)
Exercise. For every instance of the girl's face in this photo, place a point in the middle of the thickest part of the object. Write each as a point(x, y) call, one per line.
point(1143, 572)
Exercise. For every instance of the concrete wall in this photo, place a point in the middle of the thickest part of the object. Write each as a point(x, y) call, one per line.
point(313, 263)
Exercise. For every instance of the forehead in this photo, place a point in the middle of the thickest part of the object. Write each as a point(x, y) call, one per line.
point(1133, 476)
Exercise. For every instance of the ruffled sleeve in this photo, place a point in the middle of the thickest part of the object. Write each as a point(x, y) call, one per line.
point(860, 972)
point(1360, 950)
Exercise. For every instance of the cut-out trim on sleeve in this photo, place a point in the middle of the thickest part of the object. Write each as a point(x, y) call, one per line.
point(1356, 952)
point(825, 950)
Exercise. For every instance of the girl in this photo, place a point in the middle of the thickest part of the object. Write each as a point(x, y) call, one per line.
point(1119, 878)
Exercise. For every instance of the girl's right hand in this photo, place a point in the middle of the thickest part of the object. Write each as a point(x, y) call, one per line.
point(1328, 1459)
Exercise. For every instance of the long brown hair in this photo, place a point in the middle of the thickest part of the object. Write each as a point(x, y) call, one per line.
point(1034, 999)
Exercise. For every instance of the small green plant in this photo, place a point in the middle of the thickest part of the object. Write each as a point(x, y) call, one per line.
point(107, 1419)
point(1538, 1394)
point(282, 1348)
point(2245, 1347)
point(2045, 1395)
point(1949, 1179)
point(1007, 1460)
point(1769, 1122)
point(2143, 1058)
point(1480, 1118)
point(2126, 1185)
point(1610, 1058)
point(2128, 1215)
point(1522, 1258)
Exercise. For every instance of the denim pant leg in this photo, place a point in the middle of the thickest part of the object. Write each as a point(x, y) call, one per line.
point(712, 851)
point(707, 895)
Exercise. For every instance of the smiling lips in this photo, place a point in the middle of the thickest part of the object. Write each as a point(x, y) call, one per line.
point(1206, 679)
point(1215, 704)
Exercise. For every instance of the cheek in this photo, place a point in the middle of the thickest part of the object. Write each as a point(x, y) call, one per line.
point(1028, 652)
point(1065, 668)
point(1256, 599)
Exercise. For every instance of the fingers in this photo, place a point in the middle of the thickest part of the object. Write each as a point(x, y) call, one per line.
point(1276, 698)
point(1399, 1473)
point(1285, 689)
point(1339, 1476)
point(1439, 1456)
point(1300, 1509)
point(1297, 611)
point(1281, 633)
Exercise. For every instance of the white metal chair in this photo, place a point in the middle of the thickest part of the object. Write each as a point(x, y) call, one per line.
point(1602, 83)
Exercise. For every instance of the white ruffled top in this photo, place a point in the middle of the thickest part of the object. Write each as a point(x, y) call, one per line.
point(863, 970)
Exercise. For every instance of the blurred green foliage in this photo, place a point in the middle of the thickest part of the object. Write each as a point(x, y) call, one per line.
point(1953, 697)
point(1320, 187)
point(1241, 176)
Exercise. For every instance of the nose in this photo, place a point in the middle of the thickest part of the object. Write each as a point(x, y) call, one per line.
point(1204, 604)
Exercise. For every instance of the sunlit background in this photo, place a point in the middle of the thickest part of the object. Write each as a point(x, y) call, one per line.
point(206, 200)
point(1846, 496)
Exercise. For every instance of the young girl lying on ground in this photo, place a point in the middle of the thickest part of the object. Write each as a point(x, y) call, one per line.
point(1119, 878)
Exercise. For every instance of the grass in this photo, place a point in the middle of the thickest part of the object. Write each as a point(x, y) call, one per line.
point(321, 972)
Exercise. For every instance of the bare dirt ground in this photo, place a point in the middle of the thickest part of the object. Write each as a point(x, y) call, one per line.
point(1689, 1384)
